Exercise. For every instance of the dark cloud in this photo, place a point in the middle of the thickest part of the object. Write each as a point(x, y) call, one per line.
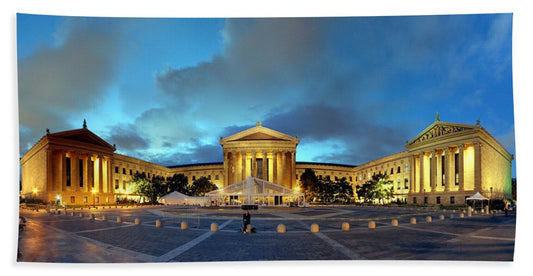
point(58, 82)
point(126, 138)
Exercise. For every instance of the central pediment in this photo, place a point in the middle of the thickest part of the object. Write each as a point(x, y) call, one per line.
point(259, 133)
point(82, 135)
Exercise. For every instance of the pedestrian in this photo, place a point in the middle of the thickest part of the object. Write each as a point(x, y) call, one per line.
point(246, 220)
point(506, 208)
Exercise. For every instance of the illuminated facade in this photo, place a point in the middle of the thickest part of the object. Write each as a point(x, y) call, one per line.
point(442, 165)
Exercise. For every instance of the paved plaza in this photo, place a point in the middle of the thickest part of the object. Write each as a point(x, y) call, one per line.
point(71, 238)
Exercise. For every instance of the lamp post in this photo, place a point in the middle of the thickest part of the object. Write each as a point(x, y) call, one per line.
point(490, 199)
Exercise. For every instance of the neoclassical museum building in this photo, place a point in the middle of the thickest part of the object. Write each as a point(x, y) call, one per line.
point(444, 164)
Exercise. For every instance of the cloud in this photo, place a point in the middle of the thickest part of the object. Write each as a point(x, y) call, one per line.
point(127, 138)
point(70, 78)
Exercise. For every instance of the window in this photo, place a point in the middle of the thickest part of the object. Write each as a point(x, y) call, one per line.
point(452, 200)
point(72, 199)
point(438, 200)
point(399, 182)
point(131, 172)
point(391, 170)
point(97, 199)
point(406, 169)
point(209, 177)
point(398, 170)
point(116, 184)
point(68, 171)
point(80, 171)
point(406, 183)
point(414, 200)
point(124, 184)
point(84, 199)
point(193, 177)
point(123, 170)
point(216, 176)
point(350, 179)
point(116, 169)
point(425, 200)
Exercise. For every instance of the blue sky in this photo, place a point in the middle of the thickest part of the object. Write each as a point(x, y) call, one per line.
point(352, 88)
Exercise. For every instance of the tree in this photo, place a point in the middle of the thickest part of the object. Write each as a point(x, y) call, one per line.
point(310, 185)
point(201, 186)
point(178, 183)
point(378, 188)
point(150, 189)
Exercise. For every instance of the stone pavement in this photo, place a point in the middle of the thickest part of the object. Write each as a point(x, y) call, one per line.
point(69, 238)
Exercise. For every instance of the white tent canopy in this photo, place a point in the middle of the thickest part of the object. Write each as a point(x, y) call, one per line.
point(477, 196)
point(174, 198)
point(256, 191)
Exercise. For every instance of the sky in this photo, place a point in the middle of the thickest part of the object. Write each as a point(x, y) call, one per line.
point(353, 89)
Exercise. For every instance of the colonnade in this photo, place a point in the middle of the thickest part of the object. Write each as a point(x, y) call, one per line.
point(277, 166)
point(78, 172)
point(446, 168)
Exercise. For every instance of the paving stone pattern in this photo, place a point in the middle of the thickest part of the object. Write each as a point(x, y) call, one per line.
point(65, 238)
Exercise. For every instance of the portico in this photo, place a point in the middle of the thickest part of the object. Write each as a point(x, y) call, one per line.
point(262, 153)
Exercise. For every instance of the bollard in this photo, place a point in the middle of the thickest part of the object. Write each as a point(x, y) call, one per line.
point(345, 227)
point(72, 214)
point(429, 219)
point(158, 224)
point(104, 218)
point(394, 222)
point(137, 221)
point(314, 228)
point(469, 212)
point(413, 220)
point(184, 225)
point(281, 228)
point(119, 220)
point(214, 227)
point(81, 215)
point(91, 217)
point(462, 215)
point(371, 224)
point(441, 217)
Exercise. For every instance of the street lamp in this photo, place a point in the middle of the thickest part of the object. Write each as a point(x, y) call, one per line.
point(490, 199)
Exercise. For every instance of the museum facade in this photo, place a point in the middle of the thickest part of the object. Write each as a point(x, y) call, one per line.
point(444, 164)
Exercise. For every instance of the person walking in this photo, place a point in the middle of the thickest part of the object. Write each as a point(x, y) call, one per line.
point(246, 220)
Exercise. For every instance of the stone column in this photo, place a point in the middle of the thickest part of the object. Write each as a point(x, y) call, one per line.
point(433, 172)
point(275, 167)
point(293, 169)
point(254, 164)
point(227, 169)
point(243, 157)
point(447, 165)
point(100, 173)
point(108, 178)
point(477, 166)
point(232, 170)
point(283, 167)
point(74, 172)
point(421, 173)
point(412, 174)
point(265, 166)
point(461, 168)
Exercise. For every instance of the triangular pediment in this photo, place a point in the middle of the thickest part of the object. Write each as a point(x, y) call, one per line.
point(259, 133)
point(439, 129)
point(84, 136)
